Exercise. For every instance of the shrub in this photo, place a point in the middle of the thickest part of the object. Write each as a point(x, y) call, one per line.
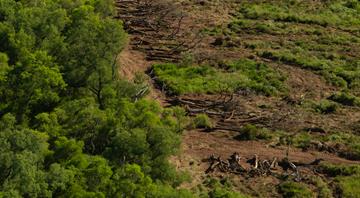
point(347, 178)
point(345, 99)
point(349, 186)
point(295, 190)
point(221, 189)
point(323, 190)
point(219, 192)
point(251, 132)
point(301, 140)
point(339, 170)
point(203, 121)
point(349, 142)
point(326, 107)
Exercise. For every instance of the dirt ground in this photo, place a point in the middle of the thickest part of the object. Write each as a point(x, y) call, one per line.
point(149, 44)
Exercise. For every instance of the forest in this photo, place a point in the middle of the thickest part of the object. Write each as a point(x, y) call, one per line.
point(276, 77)
point(70, 127)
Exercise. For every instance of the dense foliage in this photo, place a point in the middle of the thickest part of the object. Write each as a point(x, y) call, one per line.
point(69, 127)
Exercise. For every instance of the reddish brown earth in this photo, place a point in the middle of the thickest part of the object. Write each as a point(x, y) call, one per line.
point(199, 145)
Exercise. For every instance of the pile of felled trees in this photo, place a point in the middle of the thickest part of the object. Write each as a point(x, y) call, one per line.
point(258, 167)
point(157, 28)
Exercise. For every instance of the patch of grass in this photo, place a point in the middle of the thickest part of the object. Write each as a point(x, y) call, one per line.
point(349, 186)
point(345, 99)
point(314, 39)
point(289, 57)
point(326, 107)
point(301, 140)
point(339, 170)
point(337, 39)
point(351, 143)
point(323, 190)
point(329, 13)
point(338, 72)
point(253, 27)
point(218, 188)
point(295, 190)
point(346, 144)
point(241, 74)
point(203, 121)
point(215, 31)
point(347, 178)
point(251, 132)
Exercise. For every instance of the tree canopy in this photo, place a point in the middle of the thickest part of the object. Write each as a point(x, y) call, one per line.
point(69, 125)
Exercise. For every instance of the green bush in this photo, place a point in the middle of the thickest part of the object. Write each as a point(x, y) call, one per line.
point(349, 186)
point(221, 189)
point(345, 99)
point(349, 142)
point(326, 107)
point(295, 190)
point(251, 132)
point(323, 190)
point(300, 140)
point(347, 178)
point(339, 170)
point(203, 121)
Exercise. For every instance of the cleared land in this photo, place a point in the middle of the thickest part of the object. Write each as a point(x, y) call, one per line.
point(271, 76)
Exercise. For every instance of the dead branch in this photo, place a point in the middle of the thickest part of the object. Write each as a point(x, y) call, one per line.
point(259, 167)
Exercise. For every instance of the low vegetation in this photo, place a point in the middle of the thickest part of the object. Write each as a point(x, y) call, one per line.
point(203, 121)
point(344, 144)
point(220, 188)
point(338, 72)
point(324, 41)
point(295, 190)
point(349, 186)
point(241, 74)
point(346, 178)
point(345, 99)
point(340, 170)
point(251, 132)
point(322, 188)
point(320, 40)
point(326, 107)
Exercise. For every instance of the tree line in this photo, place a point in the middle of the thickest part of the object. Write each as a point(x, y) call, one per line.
point(69, 126)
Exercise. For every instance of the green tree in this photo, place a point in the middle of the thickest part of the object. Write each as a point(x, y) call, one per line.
point(93, 43)
point(22, 153)
point(68, 126)
point(33, 86)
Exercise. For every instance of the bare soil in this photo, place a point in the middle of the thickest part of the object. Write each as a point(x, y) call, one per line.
point(178, 33)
